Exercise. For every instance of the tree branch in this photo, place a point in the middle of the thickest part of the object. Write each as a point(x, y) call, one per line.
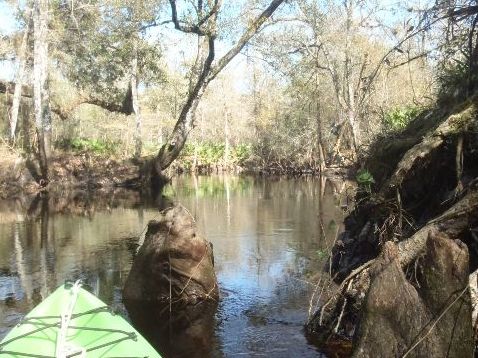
point(248, 34)
point(63, 112)
point(194, 28)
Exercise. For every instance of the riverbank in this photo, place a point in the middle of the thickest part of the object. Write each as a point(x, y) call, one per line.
point(67, 171)
point(89, 171)
point(409, 246)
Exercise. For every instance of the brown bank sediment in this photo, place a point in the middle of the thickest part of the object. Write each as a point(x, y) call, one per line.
point(404, 260)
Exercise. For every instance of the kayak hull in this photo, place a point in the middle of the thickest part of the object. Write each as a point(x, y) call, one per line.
point(93, 329)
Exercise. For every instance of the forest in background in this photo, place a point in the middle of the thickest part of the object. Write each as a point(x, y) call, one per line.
point(318, 82)
point(313, 88)
point(116, 93)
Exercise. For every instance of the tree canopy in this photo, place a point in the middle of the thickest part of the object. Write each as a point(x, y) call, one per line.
point(301, 83)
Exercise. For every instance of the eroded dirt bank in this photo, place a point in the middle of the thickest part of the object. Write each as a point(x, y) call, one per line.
point(404, 260)
point(67, 171)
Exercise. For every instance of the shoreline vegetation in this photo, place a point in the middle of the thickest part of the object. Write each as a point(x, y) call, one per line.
point(95, 166)
point(386, 95)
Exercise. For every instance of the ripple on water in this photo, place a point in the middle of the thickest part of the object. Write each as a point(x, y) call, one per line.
point(265, 234)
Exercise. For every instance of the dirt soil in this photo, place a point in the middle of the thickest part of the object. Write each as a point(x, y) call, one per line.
point(67, 171)
point(425, 179)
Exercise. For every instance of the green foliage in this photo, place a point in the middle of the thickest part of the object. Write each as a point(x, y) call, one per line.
point(209, 153)
point(96, 54)
point(204, 153)
point(365, 180)
point(399, 118)
point(96, 146)
point(241, 153)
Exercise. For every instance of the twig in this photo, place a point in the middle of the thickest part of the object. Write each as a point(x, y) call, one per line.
point(309, 313)
point(345, 282)
point(342, 311)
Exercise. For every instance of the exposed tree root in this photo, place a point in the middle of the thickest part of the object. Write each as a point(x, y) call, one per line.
point(427, 183)
point(454, 222)
point(453, 125)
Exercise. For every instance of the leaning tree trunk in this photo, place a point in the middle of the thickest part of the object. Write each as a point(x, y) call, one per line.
point(172, 148)
point(40, 85)
point(186, 121)
point(208, 31)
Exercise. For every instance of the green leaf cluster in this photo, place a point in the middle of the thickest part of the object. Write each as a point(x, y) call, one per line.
point(96, 44)
point(210, 153)
point(365, 180)
point(242, 152)
point(399, 118)
point(205, 153)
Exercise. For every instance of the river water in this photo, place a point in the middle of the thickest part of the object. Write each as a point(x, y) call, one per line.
point(270, 239)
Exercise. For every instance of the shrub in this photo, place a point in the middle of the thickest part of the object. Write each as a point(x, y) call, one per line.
point(96, 146)
point(399, 118)
point(241, 153)
point(365, 180)
point(209, 153)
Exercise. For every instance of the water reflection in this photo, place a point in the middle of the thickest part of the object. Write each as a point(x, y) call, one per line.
point(268, 236)
point(186, 333)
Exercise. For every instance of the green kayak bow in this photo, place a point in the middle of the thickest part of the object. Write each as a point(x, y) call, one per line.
point(72, 322)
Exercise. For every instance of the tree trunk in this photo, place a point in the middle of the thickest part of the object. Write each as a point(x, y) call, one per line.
point(185, 123)
point(171, 149)
point(354, 126)
point(19, 79)
point(226, 136)
point(40, 85)
point(320, 147)
point(349, 90)
point(138, 144)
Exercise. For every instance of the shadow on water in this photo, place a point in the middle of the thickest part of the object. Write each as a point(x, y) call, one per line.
point(185, 333)
point(269, 236)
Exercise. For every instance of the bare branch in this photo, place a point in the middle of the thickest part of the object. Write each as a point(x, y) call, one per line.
point(194, 28)
point(248, 34)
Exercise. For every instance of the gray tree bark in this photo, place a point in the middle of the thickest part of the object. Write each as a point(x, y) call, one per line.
point(40, 84)
point(204, 28)
point(19, 78)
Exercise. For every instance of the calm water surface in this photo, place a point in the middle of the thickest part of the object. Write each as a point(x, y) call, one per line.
point(268, 238)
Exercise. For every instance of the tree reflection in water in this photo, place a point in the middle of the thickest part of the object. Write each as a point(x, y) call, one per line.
point(266, 234)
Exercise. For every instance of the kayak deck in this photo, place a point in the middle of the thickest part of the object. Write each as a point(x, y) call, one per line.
point(93, 329)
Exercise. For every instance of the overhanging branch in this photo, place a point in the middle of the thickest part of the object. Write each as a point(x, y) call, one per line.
point(63, 112)
point(193, 28)
point(248, 34)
